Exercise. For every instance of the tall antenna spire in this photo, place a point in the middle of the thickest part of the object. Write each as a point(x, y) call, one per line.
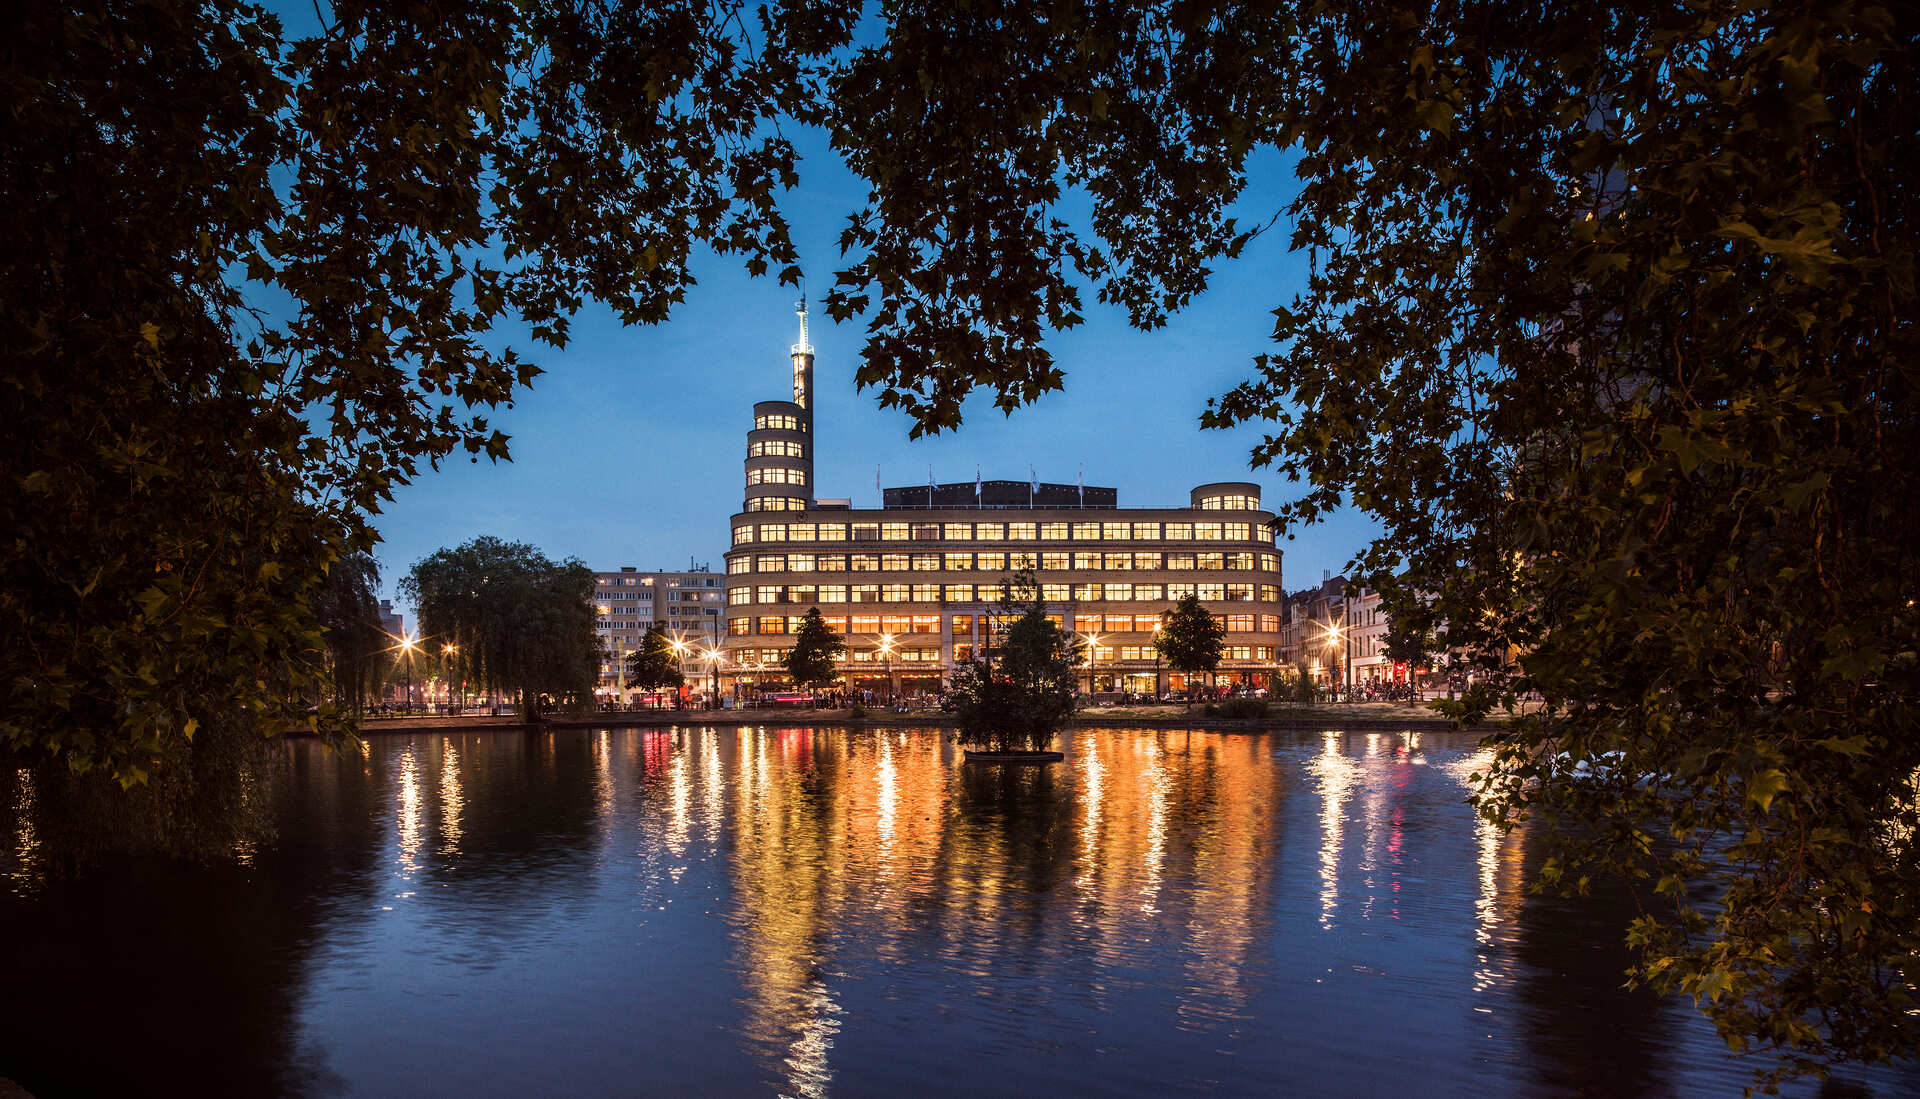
point(805, 346)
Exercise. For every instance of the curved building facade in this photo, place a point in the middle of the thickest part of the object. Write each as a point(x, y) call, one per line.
point(913, 584)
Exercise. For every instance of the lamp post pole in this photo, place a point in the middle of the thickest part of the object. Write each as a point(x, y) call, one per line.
point(713, 672)
point(886, 650)
point(406, 648)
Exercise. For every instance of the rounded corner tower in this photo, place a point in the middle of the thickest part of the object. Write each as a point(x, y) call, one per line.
point(779, 466)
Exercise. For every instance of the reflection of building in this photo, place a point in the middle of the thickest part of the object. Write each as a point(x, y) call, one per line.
point(688, 604)
point(910, 583)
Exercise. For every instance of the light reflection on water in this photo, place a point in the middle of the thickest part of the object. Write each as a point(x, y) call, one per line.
point(815, 911)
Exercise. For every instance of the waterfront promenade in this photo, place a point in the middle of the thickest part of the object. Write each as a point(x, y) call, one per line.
point(1355, 716)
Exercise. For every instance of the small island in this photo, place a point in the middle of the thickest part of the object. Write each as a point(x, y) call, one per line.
point(1012, 699)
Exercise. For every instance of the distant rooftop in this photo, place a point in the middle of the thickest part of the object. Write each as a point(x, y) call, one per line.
point(1000, 495)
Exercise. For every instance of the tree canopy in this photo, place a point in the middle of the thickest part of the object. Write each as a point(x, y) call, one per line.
point(523, 624)
point(813, 659)
point(654, 664)
point(1189, 637)
point(1018, 693)
point(1608, 322)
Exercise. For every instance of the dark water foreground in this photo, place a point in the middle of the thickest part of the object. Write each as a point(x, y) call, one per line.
point(817, 911)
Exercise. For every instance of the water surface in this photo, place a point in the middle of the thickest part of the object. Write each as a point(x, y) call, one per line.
point(817, 911)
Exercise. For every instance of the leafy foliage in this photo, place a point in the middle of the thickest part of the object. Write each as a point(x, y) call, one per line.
point(1608, 322)
point(654, 664)
point(248, 286)
point(816, 648)
point(523, 624)
point(1189, 637)
point(348, 610)
point(1017, 695)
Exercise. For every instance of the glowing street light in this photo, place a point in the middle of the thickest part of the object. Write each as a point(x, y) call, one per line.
point(713, 668)
point(1332, 638)
point(407, 645)
point(449, 651)
point(1093, 645)
point(886, 650)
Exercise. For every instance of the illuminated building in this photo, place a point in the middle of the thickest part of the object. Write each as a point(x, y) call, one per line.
point(626, 602)
point(911, 584)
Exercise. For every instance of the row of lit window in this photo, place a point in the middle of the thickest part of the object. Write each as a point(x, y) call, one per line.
point(776, 448)
point(1230, 503)
point(774, 659)
point(777, 503)
point(998, 532)
point(986, 561)
point(962, 625)
point(968, 593)
point(777, 475)
point(777, 421)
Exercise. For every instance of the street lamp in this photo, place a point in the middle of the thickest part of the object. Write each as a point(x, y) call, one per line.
point(1093, 644)
point(713, 669)
point(886, 650)
point(407, 646)
point(679, 647)
point(449, 651)
point(1333, 636)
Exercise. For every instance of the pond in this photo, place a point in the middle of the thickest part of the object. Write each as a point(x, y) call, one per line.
point(815, 911)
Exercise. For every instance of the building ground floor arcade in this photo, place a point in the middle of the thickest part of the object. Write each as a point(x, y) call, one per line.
point(917, 651)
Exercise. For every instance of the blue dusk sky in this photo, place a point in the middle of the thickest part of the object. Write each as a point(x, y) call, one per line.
point(629, 449)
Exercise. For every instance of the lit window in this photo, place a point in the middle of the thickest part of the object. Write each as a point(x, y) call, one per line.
point(959, 593)
point(800, 562)
point(866, 532)
point(773, 532)
point(894, 562)
point(1115, 532)
point(771, 563)
point(1055, 561)
point(1086, 532)
point(894, 593)
point(1120, 592)
point(1206, 532)
point(957, 562)
point(1086, 591)
point(1179, 532)
point(833, 593)
point(989, 532)
point(1116, 561)
point(1053, 532)
point(958, 532)
point(1148, 591)
point(1146, 530)
point(926, 593)
point(832, 532)
point(893, 532)
point(800, 532)
point(1020, 532)
point(742, 535)
point(990, 562)
point(926, 562)
point(1055, 593)
point(926, 532)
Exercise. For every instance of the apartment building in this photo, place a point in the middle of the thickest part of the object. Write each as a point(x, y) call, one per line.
point(689, 604)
